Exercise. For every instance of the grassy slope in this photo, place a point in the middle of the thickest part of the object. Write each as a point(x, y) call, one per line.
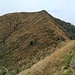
point(17, 30)
point(53, 64)
point(68, 27)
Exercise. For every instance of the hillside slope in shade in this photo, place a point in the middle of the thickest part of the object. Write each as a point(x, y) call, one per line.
point(68, 27)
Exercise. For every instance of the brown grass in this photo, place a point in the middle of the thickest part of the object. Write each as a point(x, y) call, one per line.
point(17, 30)
point(52, 64)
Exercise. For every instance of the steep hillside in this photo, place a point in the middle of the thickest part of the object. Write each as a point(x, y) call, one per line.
point(26, 38)
point(51, 65)
point(68, 27)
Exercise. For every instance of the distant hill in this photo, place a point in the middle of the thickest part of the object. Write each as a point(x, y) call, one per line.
point(28, 37)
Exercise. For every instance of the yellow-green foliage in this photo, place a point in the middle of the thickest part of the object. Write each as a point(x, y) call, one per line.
point(67, 72)
point(68, 60)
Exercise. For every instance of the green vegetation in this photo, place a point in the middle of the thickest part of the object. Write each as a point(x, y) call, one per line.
point(67, 26)
point(17, 71)
point(68, 60)
point(3, 71)
point(67, 70)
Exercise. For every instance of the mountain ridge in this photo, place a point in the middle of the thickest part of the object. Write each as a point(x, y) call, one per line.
point(27, 38)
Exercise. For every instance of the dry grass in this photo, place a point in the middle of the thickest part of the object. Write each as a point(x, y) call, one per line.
point(17, 30)
point(51, 65)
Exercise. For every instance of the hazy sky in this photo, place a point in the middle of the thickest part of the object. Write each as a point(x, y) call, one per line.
point(63, 9)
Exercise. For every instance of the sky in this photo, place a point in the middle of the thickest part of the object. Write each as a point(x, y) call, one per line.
point(62, 9)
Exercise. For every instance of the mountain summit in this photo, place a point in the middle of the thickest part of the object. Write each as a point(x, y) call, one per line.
point(27, 38)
